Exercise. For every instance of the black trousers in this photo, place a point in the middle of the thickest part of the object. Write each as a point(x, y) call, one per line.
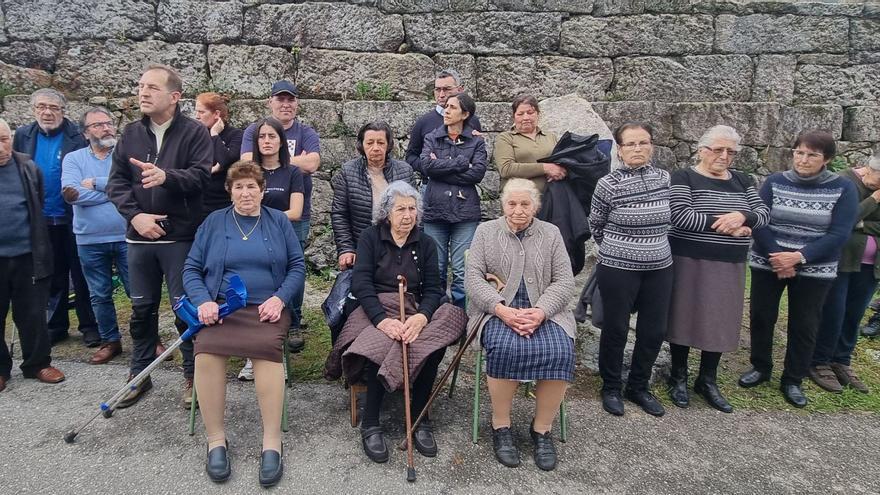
point(27, 297)
point(147, 264)
point(421, 388)
point(623, 291)
point(66, 268)
point(805, 299)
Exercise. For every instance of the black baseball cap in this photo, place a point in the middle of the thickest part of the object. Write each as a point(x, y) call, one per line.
point(284, 87)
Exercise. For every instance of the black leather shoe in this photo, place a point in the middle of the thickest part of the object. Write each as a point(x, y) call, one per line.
point(217, 465)
point(794, 395)
point(91, 338)
point(271, 468)
point(678, 388)
point(423, 439)
point(708, 389)
point(753, 378)
point(612, 402)
point(646, 401)
point(505, 450)
point(295, 344)
point(545, 451)
point(373, 440)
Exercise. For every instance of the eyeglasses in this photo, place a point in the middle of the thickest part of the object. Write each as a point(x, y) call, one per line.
point(720, 151)
point(640, 144)
point(446, 89)
point(99, 125)
point(810, 155)
point(42, 107)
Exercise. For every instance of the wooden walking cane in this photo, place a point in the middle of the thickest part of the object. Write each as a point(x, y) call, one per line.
point(410, 463)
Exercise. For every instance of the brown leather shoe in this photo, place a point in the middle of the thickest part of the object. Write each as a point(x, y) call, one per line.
point(106, 352)
point(3, 381)
point(160, 348)
point(49, 374)
point(848, 378)
point(135, 395)
point(187, 396)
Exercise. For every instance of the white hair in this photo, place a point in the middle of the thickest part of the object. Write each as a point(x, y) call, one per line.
point(522, 185)
point(50, 93)
point(5, 125)
point(397, 189)
point(719, 132)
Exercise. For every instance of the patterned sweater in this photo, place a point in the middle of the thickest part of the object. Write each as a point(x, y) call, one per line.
point(814, 217)
point(629, 219)
point(697, 201)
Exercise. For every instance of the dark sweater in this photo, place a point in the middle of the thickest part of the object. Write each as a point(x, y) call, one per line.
point(423, 126)
point(813, 217)
point(696, 201)
point(379, 260)
point(227, 149)
point(14, 229)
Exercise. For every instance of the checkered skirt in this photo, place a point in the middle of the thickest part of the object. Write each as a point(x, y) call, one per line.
point(547, 355)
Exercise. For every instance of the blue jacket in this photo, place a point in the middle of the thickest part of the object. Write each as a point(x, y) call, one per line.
point(95, 219)
point(451, 195)
point(204, 267)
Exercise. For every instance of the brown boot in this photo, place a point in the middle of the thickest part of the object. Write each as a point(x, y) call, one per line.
point(825, 378)
point(187, 396)
point(106, 352)
point(160, 348)
point(848, 378)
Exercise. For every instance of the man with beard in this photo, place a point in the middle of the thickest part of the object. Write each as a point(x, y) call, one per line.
point(99, 228)
point(48, 140)
point(161, 165)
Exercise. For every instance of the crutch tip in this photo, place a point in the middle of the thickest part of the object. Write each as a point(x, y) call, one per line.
point(108, 413)
point(410, 474)
point(69, 436)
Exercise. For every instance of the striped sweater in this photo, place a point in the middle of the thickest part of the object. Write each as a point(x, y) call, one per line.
point(814, 217)
point(697, 201)
point(629, 219)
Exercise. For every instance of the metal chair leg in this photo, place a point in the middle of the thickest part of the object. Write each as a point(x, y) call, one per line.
point(478, 376)
point(287, 382)
point(455, 371)
point(563, 422)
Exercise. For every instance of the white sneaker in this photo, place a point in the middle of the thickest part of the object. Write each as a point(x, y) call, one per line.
point(247, 373)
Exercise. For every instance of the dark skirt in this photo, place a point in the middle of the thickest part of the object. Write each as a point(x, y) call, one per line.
point(547, 355)
point(707, 304)
point(242, 334)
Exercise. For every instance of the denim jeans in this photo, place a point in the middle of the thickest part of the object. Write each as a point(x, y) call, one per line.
point(301, 227)
point(844, 307)
point(453, 239)
point(97, 266)
point(67, 268)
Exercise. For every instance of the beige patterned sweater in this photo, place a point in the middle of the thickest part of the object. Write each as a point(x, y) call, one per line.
point(540, 259)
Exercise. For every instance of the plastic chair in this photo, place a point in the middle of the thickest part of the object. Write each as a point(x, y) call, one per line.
point(475, 425)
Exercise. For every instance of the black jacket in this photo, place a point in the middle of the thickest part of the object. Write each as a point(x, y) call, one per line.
point(25, 141)
point(352, 209)
point(451, 194)
point(227, 149)
point(32, 182)
point(379, 260)
point(186, 157)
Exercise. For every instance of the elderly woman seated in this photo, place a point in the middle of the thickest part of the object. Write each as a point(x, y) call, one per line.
point(367, 349)
point(527, 330)
point(258, 244)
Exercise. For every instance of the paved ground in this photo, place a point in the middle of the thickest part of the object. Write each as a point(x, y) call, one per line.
point(145, 449)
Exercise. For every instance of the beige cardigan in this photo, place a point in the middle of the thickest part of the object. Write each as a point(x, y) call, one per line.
point(540, 259)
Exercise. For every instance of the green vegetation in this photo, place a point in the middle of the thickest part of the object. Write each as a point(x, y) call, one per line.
point(837, 164)
point(364, 90)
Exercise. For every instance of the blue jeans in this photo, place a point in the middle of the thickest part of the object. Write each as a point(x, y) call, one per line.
point(301, 227)
point(453, 239)
point(97, 266)
point(844, 307)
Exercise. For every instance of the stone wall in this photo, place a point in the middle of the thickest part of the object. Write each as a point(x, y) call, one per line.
point(769, 68)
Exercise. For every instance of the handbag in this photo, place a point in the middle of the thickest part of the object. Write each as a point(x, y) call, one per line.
point(333, 306)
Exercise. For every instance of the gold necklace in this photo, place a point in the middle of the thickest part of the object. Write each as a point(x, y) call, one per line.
point(244, 236)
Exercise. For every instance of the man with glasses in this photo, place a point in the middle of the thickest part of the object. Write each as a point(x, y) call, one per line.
point(161, 165)
point(305, 152)
point(48, 140)
point(99, 228)
point(446, 83)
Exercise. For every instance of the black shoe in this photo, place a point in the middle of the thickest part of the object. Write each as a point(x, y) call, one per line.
point(135, 395)
point(91, 338)
point(545, 451)
point(872, 328)
point(56, 337)
point(612, 403)
point(753, 378)
point(217, 465)
point(423, 439)
point(708, 389)
point(373, 440)
point(678, 388)
point(271, 468)
point(295, 343)
point(646, 401)
point(794, 395)
point(505, 450)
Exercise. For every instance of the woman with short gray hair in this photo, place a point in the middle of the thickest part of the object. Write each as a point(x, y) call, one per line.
point(857, 274)
point(365, 350)
point(714, 209)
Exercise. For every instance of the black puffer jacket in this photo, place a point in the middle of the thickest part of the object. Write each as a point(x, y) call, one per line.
point(451, 195)
point(352, 209)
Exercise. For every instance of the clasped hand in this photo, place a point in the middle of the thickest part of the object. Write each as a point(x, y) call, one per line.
point(407, 331)
point(522, 321)
point(784, 263)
